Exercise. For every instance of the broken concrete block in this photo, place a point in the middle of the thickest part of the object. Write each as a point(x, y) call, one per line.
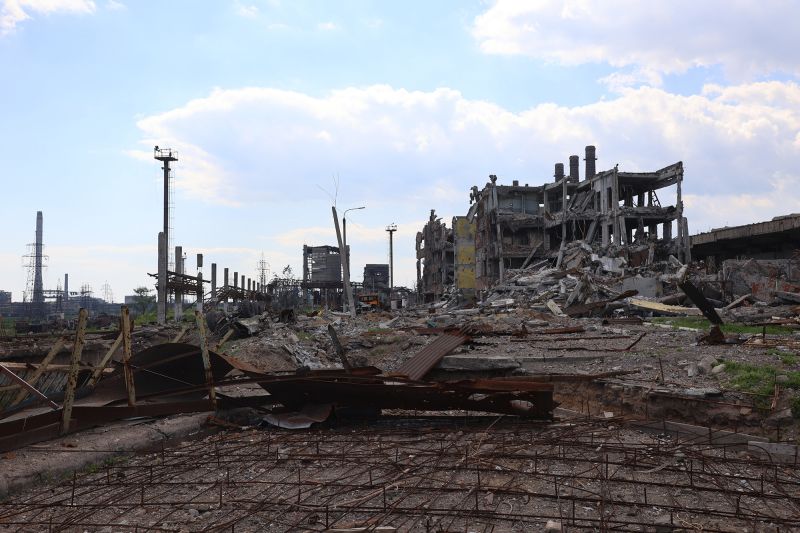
point(553, 526)
point(706, 364)
point(782, 379)
point(691, 370)
point(718, 369)
point(554, 308)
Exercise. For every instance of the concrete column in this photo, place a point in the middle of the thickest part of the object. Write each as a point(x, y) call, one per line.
point(235, 282)
point(213, 280)
point(666, 230)
point(199, 302)
point(162, 279)
point(687, 242)
point(178, 306)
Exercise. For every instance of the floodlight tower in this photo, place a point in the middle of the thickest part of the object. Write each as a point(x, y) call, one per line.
point(165, 155)
point(391, 228)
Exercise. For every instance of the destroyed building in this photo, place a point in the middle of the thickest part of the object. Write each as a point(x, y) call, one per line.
point(516, 224)
point(760, 259)
point(376, 277)
point(435, 259)
point(322, 275)
point(511, 226)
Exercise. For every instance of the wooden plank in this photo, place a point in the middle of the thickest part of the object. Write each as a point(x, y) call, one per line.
point(130, 385)
point(224, 338)
point(663, 308)
point(201, 331)
point(72, 378)
point(98, 371)
point(338, 346)
point(180, 334)
point(39, 371)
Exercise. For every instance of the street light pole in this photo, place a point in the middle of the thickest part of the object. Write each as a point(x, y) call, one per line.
point(391, 228)
point(346, 251)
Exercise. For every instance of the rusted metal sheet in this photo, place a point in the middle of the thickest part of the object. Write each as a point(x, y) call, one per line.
point(588, 308)
point(39, 371)
point(632, 320)
point(165, 368)
point(423, 361)
point(527, 399)
point(27, 386)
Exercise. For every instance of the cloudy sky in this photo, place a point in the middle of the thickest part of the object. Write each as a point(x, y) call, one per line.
point(278, 108)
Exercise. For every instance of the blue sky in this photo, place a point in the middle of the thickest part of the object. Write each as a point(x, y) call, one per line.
point(409, 104)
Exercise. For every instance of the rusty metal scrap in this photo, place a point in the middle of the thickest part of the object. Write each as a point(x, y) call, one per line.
point(531, 399)
point(423, 361)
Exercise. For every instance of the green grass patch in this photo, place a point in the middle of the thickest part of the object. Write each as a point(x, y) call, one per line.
point(760, 380)
point(700, 323)
point(787, 358)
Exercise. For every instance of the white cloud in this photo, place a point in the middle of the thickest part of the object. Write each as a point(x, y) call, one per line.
point(247, 10)
point(403, 152)
point(745, 38)
point(14, 12)
point(114, 5)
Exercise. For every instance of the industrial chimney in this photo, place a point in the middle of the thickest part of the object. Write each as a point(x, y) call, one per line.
point(590, 159)
point(559, 175)
point(574, 168)
point(38, 288)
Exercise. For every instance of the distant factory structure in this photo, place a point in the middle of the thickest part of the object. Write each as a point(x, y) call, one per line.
point(40, 305)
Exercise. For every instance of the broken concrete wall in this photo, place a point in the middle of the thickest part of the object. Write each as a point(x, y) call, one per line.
point(760, 277)
point(464, 243)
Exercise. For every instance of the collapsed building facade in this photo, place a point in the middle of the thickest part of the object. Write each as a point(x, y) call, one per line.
point(515, 225)
point(435, 258)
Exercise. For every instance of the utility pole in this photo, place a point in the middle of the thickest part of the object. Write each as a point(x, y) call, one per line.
point(391, 228)
point(348, 289)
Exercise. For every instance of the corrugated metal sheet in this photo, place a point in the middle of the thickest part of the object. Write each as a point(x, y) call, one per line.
point(427, 358)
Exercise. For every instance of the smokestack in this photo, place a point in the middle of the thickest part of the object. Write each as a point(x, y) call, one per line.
point(66, 287)
point(515, 183)
point(590, 159)
point(38, 289)
point(559, 175)
point(574, 168)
